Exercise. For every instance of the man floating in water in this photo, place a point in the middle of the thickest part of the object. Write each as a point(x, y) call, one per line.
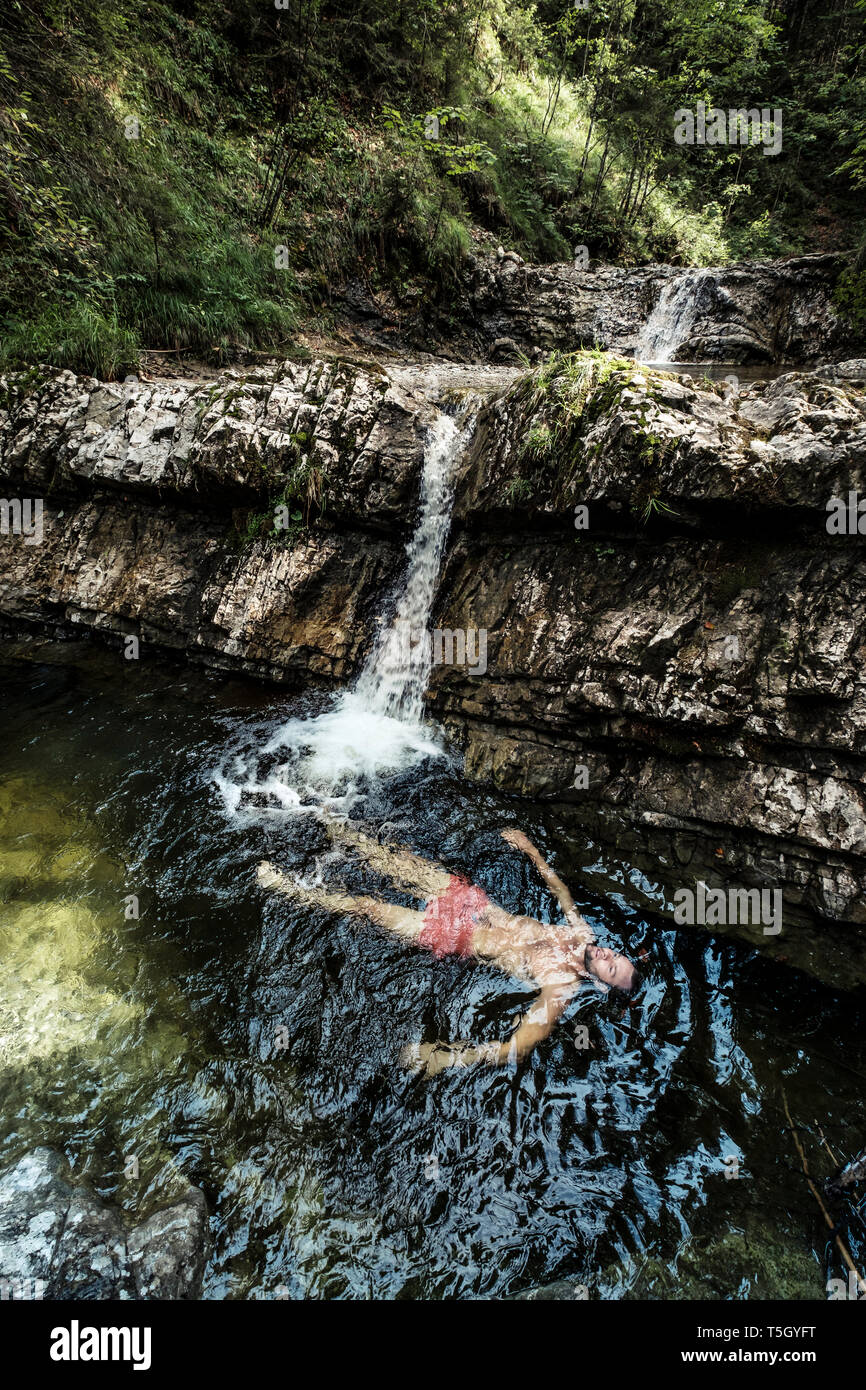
point(460, 919)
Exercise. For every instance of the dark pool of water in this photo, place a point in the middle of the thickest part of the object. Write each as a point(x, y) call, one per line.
point(329, 1171)
point(720, 371)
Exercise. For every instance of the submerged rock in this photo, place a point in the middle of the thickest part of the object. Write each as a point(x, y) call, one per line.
point(60, 1241)
point(561, 1291)
point(759, 1261)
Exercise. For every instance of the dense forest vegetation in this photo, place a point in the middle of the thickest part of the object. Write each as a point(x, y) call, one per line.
point(184, 174)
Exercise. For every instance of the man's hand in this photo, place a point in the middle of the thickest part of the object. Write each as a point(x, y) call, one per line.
point(517, 838)
point(536, 1023)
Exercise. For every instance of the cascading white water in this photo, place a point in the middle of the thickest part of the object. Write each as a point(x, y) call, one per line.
point(378, 727)
point(670, 322)
point(395, 676)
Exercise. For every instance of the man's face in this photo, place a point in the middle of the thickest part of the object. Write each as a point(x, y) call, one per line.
point(610, 967)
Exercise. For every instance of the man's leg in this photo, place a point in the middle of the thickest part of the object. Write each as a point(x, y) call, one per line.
point(410, 871)
point(404, 922)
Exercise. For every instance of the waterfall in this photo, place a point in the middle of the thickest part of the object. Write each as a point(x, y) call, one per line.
point(671, 320)
point(326, 760)
point(395, 677)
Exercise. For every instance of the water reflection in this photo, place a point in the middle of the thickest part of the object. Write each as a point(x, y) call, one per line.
point(329, 1170)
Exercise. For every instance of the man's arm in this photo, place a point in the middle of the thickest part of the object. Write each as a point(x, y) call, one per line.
point(553, 881)
point(537, 1023)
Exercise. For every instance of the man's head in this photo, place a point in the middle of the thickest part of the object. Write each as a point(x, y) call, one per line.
point(611, 967)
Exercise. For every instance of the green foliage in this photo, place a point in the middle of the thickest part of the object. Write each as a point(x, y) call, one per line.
point(301, 501)
point(78, 335)
point(112, 243)
point(306, 128)
point(654, 506)
point(263, 527)
point(518, 490)
point(850, 294)
point(557, 401)
point(560, 402)
point(563, 385)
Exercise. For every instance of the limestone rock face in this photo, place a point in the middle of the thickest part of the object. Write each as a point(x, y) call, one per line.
point(676, 642)
point(698, 647)
point(60, 1241)
point(237, 440)
point(777, 311)
point(144, 484)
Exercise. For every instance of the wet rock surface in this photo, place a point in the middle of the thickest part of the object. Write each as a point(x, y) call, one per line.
point(58, 1240)
point(148, 489)
point(238, 439)
point(773, 311)
point(693, 658)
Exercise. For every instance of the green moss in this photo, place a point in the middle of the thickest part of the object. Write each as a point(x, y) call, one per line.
point(299, 503)
point(727, 586)
point(558, 405)
point(562, 397)
point(19, 385)
point(760, 1260)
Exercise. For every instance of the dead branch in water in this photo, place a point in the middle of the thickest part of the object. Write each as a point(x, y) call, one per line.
point(841, 1246)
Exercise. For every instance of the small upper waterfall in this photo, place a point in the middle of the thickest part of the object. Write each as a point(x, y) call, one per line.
point(671, 320)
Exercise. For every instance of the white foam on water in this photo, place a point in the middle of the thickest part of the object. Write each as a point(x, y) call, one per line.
point(350, 744)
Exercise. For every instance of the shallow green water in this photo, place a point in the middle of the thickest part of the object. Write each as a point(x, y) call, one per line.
point(329, 1171)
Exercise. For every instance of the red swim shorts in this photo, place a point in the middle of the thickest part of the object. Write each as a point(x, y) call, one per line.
point(450, 919)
